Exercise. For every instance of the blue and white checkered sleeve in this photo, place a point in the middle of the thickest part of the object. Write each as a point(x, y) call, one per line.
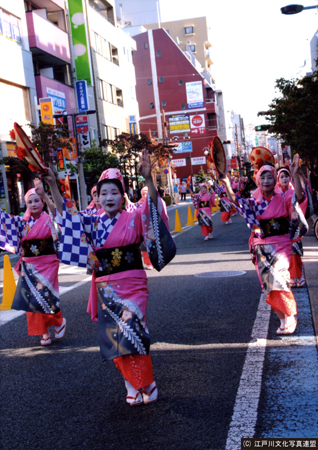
point(74, 246)
point(10, 233)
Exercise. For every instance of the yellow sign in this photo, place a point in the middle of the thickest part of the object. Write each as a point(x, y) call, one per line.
point(47, 110)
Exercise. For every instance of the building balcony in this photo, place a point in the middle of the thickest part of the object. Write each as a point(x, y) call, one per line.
point(211, 107)
point(48, 43)
point(49, 5)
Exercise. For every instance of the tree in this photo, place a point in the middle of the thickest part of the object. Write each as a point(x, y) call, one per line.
point(293, 116)
point(47, 139)
point(200, 177)
point(95, 161)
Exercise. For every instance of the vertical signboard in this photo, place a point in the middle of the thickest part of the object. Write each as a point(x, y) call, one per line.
point(194, 94)
point(82, 130)
point(46, 110)
point(80, 46)
point(82, 97)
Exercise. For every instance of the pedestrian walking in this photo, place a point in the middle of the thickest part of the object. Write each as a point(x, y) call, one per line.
point(34, 238)
point(203, 202)
point(183, 191)
point(175, 193)
point(110, 245)
point(275, 222)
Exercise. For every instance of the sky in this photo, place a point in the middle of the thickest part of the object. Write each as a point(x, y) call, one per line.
point(253, 44)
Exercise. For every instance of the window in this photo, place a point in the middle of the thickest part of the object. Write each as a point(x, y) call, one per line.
point(158, 53)
point(149, 81)
point(100, 88)
point(161, 79)
point(180, 82)
point(163, 103)
point(192, 48)
point(114, 52)
point(97, 43)
point(182, 106)
point(146, 44)
point(154, 133)
point(109, 89)
point(104, 90)
point(151, 105)
point(188, 159)
point(189, 30)
point(106, 49)
point(119, 97)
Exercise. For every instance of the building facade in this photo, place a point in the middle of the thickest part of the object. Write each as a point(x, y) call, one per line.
point(176, 102)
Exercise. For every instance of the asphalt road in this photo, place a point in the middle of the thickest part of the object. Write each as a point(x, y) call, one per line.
point(221, 372)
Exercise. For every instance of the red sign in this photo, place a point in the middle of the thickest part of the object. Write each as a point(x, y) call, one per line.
point(197, 121)
point(197, 124)
point(81, 124)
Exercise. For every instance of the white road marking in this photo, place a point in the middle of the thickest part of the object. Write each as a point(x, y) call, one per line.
point(64, 289)
point(245, 409)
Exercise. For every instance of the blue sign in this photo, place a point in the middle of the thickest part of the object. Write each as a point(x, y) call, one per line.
point(82, 97)
point(133, 127)
point(58, 99)
point(183, 147)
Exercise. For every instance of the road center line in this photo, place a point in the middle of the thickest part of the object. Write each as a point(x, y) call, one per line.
point(246, 404)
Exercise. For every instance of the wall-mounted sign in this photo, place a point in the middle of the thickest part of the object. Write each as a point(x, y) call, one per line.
point(179, 162)
point(197, 123)
point(196, 161)
point(194, 94)
point(179, 123)
point(82, 96)
point(183, 147)
point(46, 110)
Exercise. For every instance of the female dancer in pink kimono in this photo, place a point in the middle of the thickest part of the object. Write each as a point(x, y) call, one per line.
point(34, 237)
point(94, 205)
point(203, 202)
point(285, 187)
point(130, 207)
point(275, 221)
point(110, 244)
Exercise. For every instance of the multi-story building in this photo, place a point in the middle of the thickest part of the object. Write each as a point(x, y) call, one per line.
point(17, 94)
point(176, 102)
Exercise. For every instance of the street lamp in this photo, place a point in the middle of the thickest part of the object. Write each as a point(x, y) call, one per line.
point(295, 9)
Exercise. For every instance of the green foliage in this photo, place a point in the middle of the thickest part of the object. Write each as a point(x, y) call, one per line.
point(95, 161)
point(294, 115)
point(48, 138)
point(200, 177)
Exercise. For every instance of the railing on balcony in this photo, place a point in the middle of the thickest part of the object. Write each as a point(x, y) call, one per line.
point(47, 41)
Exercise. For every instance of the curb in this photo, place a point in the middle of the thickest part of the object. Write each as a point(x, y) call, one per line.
point(310, 261)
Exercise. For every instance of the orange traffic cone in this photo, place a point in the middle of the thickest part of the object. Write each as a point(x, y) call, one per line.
point(9, 285)
point(190, 218)
point(177, 223)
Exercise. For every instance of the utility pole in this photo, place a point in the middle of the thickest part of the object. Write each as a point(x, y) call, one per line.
point(166, 142)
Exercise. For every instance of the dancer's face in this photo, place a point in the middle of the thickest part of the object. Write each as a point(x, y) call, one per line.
point(111, 199)
point(96, 200)
point(203, 189)
point(267, 183)
point(35, 205)
point(284, 179)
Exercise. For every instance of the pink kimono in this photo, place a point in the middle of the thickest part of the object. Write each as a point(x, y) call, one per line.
point(37, 291)
point(203, 204)
point(119, 291)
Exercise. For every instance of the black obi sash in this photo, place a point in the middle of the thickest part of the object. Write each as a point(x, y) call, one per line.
point(119, 259)
point(203, 204)
point(38, 247)
point(275, 227)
